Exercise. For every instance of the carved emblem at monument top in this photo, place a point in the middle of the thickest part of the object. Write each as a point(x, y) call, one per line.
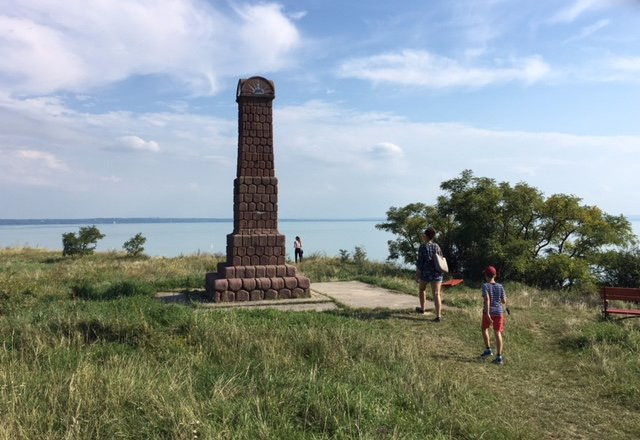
point(255, 268)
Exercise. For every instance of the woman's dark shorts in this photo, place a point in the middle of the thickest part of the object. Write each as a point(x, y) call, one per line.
point(430, 276)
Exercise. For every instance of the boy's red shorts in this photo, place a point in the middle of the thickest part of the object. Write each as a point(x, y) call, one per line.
point(496, 321)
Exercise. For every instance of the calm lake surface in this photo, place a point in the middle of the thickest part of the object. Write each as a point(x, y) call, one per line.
point(173, 239)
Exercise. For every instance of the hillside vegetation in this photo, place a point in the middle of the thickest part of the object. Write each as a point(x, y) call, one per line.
point(88, 353)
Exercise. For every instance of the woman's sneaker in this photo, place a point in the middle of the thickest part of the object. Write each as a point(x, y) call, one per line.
point(420, 311)
point(498, 360)
point(485, 354)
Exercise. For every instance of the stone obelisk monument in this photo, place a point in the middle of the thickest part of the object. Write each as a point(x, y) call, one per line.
point(255, 268)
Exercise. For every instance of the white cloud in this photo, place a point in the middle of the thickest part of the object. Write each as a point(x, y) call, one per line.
point(579, 8)
point(136, 143)
point(297, 15)
point(575, 10)
point(588, 30)
point(626, 64)
point(266, 36)
point(31, 168)
point(424, 69)
point(385, 151)
point(616, 69)
point(49, 160)
point(75, 45)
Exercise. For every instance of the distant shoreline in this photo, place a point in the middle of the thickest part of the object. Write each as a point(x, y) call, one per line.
point(147, 220)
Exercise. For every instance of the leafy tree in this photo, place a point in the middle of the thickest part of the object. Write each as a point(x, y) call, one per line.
point(620, 268)
point(550, 242)
point(82, 244)
point(135, 245)
point(407, 223)
point(70, 244)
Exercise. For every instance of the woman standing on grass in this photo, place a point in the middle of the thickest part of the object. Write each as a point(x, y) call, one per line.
point(426, 272)
point(297, 249)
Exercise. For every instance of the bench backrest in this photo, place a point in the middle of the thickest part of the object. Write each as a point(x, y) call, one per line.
point(631, 294)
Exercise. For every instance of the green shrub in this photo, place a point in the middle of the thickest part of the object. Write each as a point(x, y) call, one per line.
point(359, 255)
point(601, 333)
point(620, 268)
point(134, 246)
point(82, 244)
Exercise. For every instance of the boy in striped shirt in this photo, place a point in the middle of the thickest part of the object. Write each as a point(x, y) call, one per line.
point(493, 297)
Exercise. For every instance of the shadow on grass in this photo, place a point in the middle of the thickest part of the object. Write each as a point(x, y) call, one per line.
point(382, 314)
point(185, 297)
point(109, 291)
point(459, 358)
point(94, 330)
point(363, 314)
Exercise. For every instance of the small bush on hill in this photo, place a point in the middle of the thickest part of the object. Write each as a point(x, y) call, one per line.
point(82, 244)
point(134, 246)
point(359, 255)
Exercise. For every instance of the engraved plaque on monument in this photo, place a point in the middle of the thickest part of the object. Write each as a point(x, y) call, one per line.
point(255, 268)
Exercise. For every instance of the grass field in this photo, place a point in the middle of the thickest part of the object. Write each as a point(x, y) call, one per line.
point(88, 353)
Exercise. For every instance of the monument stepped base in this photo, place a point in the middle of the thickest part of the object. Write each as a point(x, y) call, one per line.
point(255, 283)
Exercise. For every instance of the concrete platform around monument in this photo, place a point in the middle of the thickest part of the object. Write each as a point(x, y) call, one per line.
point(357, 295)
point(324, 296)
point(317, 302)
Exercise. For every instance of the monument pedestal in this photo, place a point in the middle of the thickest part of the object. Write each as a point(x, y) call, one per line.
point(255, 268)
point(254, 283)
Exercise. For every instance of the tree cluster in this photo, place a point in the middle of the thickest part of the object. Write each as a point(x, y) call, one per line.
point(85, 241)
point(550, 242)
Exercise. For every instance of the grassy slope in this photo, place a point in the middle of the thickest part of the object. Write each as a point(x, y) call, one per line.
point(87, 353)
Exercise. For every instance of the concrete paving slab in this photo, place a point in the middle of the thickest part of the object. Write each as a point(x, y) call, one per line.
point(355, 294)
point(324, 296)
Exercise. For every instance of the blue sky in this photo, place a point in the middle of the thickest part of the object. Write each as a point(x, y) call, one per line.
point(127, 108)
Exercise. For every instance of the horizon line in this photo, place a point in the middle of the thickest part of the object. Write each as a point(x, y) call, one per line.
point(133, 220)
point(111, 220)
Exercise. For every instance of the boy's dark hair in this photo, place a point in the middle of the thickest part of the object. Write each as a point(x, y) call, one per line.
point(430, 232)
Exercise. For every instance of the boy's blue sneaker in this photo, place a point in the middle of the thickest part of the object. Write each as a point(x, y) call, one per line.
point(498, 360)
point(485, 354)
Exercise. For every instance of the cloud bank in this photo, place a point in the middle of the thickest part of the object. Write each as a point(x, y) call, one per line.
point(424, 69)
point(47, 47)
point(355, 162)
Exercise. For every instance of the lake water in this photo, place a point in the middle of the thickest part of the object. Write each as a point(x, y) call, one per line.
point(173, 239)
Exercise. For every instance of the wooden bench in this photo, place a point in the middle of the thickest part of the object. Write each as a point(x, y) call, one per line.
point(451, 283)
point(626, 294)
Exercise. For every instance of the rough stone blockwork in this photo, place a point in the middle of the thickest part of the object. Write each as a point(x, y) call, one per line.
point(255, 268)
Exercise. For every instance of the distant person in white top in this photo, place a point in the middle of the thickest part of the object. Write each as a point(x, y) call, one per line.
point(297, 248)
